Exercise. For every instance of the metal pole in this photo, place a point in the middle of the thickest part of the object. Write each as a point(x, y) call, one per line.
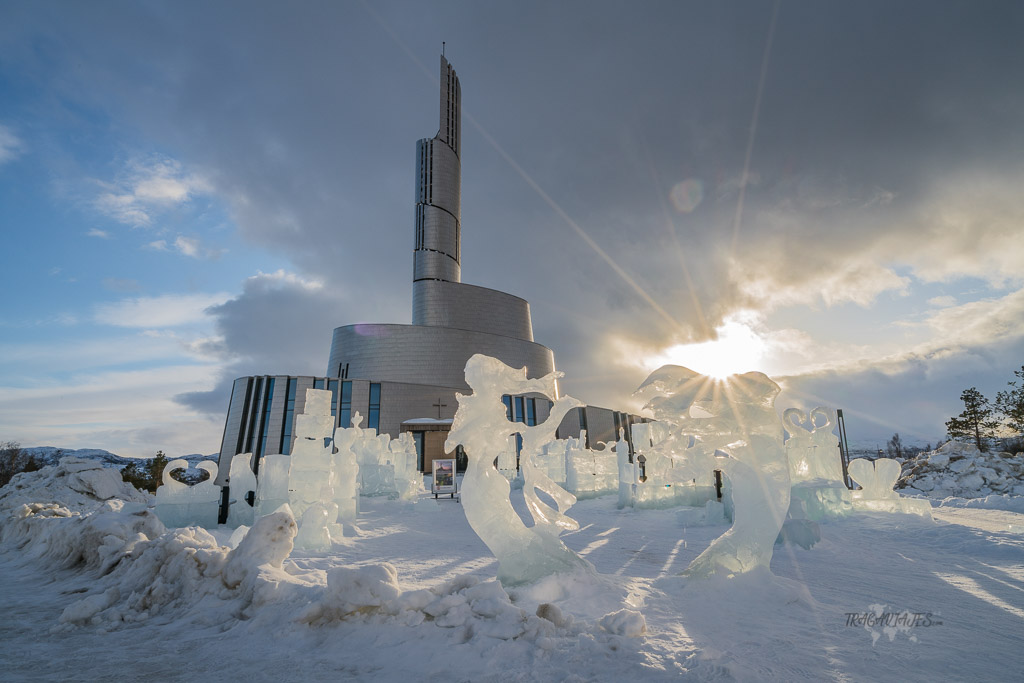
point(844, 449)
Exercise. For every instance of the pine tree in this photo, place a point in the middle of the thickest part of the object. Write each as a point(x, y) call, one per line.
point(894, 447)
point(156, 471)
point(977, 422)
point(1011, 404)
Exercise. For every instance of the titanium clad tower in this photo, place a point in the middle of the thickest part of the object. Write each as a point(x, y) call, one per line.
point(450, 320)
point(438, 185)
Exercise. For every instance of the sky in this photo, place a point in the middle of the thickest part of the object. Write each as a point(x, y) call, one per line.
point(828, 192)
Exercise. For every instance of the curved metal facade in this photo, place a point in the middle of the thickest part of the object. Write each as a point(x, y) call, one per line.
point(421, 354)
point(468, 307)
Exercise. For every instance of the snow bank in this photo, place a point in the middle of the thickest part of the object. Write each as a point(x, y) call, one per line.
point(961, 470)
point(75, 514)
point(992, 502)
point(139, 571)
point(77, 484)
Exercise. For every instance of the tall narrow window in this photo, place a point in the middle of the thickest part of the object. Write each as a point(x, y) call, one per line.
point(531, 412)
point(332, 386)
point(520, 411)
point(507, 400)
point(254, 415)
point(318, 383)
point(373, 417)
point(240, 444)
point(268, 399)
point(345, 417)
point(289, 417)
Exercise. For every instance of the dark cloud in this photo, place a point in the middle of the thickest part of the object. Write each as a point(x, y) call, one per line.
point(277, 325)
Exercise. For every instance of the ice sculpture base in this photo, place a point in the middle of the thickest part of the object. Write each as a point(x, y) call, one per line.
point(907, 506)
point(816, 501)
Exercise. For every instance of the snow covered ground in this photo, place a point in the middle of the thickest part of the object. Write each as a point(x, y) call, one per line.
point(97, 590)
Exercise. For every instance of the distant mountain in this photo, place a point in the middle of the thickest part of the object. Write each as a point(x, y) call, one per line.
point(49, 455)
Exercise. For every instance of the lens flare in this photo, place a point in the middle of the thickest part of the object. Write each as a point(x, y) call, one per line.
point(738, 349)
point(687, 195)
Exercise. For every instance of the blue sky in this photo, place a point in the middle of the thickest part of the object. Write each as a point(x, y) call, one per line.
point(829, 189)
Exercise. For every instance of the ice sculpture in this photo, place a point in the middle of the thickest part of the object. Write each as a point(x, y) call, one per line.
point(737, 417)
point(346, 468)
point(179, 505)
point(815, 467)
point(876, 494)
point(312, 458)
point(524, 554)
point(314, 528)
point(506, 462)
point(407, 477)
point(272, 484)
point(812, 449)
point(241, 483)
point(376, 472)
point(590, 473)
point(172, 497)
point(552, 461)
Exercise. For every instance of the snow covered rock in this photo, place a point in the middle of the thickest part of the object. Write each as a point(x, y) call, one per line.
point(961, 470)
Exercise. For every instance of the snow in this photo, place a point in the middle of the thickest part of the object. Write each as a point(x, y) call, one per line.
point(961, 470)
point(88, 584)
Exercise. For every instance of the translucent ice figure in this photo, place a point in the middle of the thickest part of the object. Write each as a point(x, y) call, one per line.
point(736, 416)
point(314, 528)
point(876, 494)
point(551, 459)
point(812, 448)
point(506, 463)
point(346, 468)
point(590, 472)
point(204, 498)
point(241, 483)
point(376, 471)
point(815, 466)
point(172, 497)
point(408, 480)
point(312, 459)
point(524, 554)
point(179, 505)
point(272, 485)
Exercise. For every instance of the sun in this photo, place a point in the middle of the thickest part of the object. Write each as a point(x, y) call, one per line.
point(738, 349)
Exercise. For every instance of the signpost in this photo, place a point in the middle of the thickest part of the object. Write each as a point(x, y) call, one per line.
point(443, 479)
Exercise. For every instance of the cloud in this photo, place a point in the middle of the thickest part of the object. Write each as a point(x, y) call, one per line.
point(193, 248)
point(187, 246)
point(128, 412)
point(168, 310)
point(96, 232)
point(11, 146)
point(281, 323)
point(156, 245)
point(146, 187)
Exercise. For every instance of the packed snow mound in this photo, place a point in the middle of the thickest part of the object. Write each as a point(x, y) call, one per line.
point(75, 514)
point(139, 571)
point(961, 470)
point(186, 571)
point(77, 484)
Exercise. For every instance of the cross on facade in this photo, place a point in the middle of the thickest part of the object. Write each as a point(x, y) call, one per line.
point(439, 405)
